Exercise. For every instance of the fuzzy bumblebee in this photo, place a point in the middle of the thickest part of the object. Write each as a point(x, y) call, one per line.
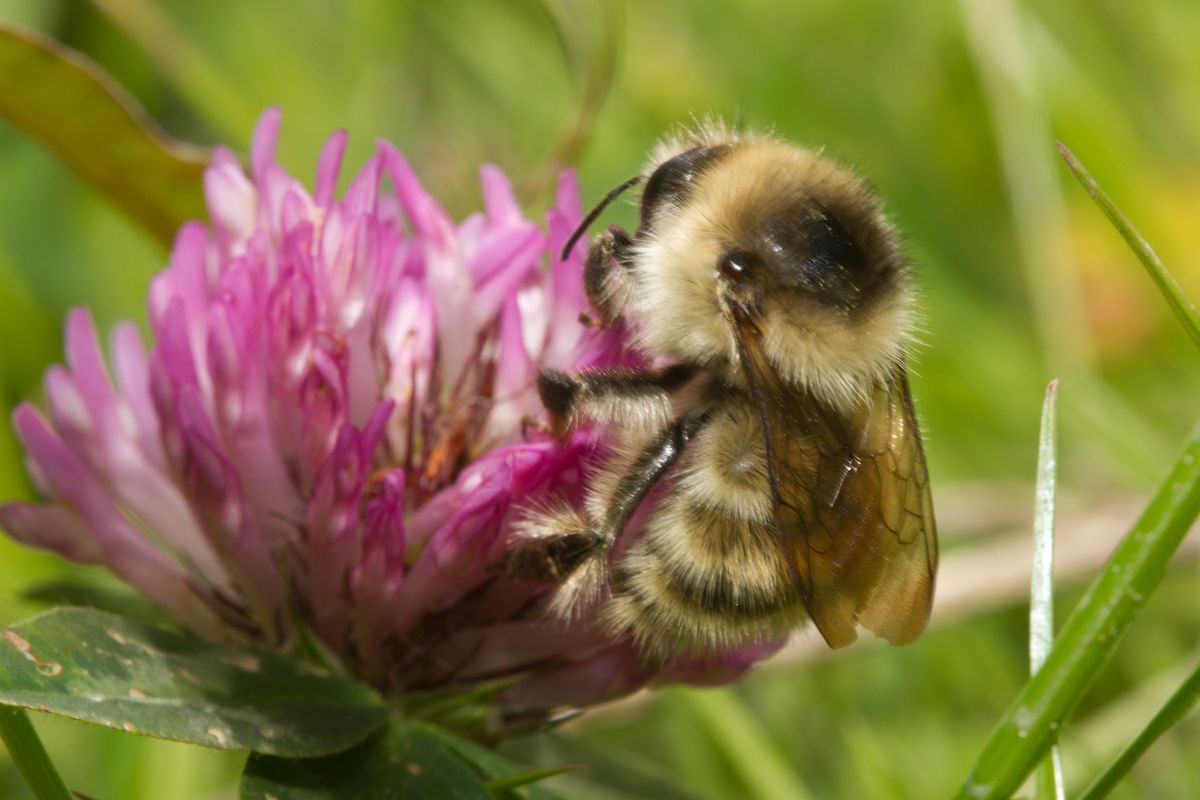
point(769, 288)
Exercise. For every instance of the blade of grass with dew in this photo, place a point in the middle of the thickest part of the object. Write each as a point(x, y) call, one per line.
point(1090, 634)
point(1166, 282)
point(1175, 709)
point(1048, 782)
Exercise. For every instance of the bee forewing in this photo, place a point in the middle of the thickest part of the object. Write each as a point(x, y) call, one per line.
point(852, 503)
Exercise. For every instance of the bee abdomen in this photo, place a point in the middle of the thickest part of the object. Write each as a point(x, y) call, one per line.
point(700, 579)
point(727, 470)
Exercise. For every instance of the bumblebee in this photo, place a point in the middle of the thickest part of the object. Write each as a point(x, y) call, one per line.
point(769, 290)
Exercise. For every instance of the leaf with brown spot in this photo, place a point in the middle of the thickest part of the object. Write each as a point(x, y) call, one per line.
point(125, 674)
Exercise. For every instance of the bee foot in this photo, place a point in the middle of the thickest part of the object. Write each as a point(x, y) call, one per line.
point(583, 587)
point(531, 424)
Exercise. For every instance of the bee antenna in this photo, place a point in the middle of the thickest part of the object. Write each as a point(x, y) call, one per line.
point(595, 212)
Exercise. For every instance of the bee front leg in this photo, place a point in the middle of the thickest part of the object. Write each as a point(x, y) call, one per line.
point(606, 287)
point(628, 398)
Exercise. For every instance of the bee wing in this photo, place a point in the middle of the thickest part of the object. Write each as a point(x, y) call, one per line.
point(855, 513)
point(851, 497)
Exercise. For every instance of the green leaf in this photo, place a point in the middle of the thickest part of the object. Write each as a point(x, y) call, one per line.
point(69, 104)
point(1090, 635)
point(1183, 308)
point(493, 766)
point(401, 761)
point(121, 673)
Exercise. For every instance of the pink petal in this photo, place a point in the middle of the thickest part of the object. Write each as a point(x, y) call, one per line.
point(231, 199)
point(445, 272)
point(363, 193)
point(51, 527)
point(87, 362)
point(593, 679)
point(451, 562)
point(69, 408)
point(515, 376)
point(328, 167)
point(123, 549)
point(262, 148)
point(502, 206)
point(502, 264)
point(567, 296)
point(133, 380)
point(332, 521)
point(717, 669)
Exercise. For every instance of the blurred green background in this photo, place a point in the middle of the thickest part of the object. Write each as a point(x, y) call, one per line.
point(950, 110)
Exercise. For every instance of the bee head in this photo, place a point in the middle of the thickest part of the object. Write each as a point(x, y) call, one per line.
point(796, 241)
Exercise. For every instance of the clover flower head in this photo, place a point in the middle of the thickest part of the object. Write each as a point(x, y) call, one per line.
point(328, 433)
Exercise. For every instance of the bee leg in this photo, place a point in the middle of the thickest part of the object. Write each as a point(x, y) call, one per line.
point(646, 470)
point(553, 555)
point(530, 424)
point(604, 286)
point(627, 397)
point(622, 246)
point(559, 546)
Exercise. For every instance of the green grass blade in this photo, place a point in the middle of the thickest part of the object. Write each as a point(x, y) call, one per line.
point(1048, 783)
point(1041, 602)
point(30, 756)
point(1175, 709)
point(764, 770)
point(1091, 633)
point(1179, 303)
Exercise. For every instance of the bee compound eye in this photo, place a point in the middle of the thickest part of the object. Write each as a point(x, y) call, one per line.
point(735, 265)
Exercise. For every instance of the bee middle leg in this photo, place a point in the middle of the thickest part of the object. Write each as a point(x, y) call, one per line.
point(646, 470)
point(558, 544)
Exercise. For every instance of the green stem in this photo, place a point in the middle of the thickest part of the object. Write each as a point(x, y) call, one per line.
point(1179, 303)
point(30, 756)
point(1175, 709)
point(1090, 635)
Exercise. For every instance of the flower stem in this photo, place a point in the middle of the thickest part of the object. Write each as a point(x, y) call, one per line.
point(30, 756)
